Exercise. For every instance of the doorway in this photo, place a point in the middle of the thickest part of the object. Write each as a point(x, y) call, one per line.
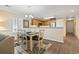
point(70, 26)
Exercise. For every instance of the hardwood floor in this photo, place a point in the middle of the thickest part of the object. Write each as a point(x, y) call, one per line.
point(70, 46)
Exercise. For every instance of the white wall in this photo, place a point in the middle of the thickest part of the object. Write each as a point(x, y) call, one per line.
point(7, 19)
point(4, 17)
point(77, 27)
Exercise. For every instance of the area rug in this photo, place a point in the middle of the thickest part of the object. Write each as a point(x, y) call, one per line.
point(20, 50)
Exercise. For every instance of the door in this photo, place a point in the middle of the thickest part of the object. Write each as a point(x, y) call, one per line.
point(70, 26)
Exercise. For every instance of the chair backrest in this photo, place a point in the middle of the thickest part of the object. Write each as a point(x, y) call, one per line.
point(41, 33)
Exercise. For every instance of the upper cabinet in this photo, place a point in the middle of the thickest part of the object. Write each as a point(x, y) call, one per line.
point(59, 23)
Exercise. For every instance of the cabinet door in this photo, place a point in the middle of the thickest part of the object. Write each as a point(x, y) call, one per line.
point(59, 23)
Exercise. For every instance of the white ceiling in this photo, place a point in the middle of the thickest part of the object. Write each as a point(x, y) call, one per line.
point(43, 10)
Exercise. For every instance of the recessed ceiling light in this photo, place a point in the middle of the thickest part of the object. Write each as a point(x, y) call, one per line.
point(72, 10)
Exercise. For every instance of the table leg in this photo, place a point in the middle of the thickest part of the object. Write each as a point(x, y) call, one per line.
point(26, 43)
point(31, 46)
point(39, 45)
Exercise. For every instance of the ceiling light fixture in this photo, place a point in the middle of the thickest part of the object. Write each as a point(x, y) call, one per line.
point(29, 16)
point(29, 11)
